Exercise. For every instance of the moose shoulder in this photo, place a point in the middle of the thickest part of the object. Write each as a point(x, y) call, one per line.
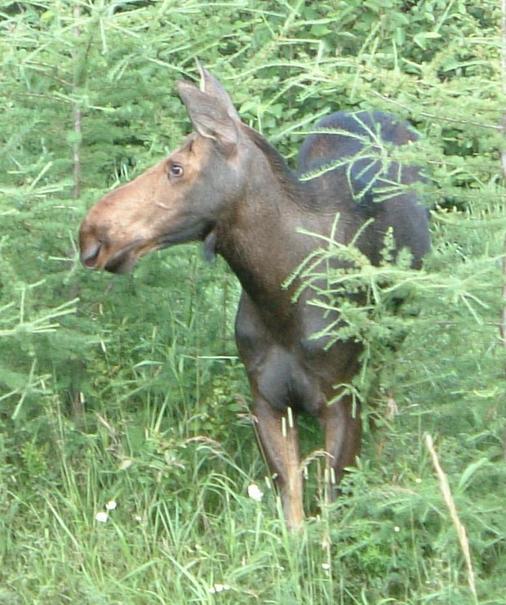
point(229, 188)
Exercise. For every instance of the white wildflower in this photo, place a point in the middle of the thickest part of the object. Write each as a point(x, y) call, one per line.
point(326, 566)
point(111, 505)
point(219, 588)
point(255, 493)
point(126, 463)
point(101, 516)
point(397, 529)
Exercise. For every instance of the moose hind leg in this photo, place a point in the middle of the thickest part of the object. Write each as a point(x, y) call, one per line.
point(279, 440)
point(343, 432)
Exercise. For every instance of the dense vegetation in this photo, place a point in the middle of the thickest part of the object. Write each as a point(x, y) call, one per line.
point(129, 389)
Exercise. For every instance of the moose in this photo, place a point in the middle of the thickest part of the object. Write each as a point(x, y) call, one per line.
point(228, 188)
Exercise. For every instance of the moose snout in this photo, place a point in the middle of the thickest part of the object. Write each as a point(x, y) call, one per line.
point(89, 254)
point(90, 245)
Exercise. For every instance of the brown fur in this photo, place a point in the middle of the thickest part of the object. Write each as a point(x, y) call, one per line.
point(228, 187)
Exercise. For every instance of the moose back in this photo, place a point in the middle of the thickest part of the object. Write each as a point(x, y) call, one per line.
point(229, 188)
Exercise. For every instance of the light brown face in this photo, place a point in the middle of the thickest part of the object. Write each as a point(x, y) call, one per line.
point(178, 200)
point(149, 213)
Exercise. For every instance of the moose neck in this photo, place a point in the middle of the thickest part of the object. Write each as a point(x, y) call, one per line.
point(260, 238)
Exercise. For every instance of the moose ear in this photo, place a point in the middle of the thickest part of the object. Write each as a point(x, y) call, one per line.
point(213, 87)
point(209, 116)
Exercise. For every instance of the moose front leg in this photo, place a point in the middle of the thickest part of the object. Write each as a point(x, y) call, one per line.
point(279, 440)
point(343, 432)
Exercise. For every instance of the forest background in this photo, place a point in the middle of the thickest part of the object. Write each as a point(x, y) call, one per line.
point(127, 392)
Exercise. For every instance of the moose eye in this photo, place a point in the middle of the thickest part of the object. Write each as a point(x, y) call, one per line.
point(176, 170)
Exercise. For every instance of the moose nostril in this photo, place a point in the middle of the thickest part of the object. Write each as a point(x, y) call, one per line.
point(89, 256)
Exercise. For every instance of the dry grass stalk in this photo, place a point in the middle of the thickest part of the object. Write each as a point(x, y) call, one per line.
point(461, 530)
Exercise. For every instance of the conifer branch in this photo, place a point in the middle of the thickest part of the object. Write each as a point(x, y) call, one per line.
point(502, 323)
point(76, 111)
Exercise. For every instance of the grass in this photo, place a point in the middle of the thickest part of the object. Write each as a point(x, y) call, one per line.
point(185, 530)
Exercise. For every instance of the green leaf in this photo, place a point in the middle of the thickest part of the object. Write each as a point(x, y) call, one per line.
point(470, 471)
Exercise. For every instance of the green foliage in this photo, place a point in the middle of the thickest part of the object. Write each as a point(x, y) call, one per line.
point(129, 389)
